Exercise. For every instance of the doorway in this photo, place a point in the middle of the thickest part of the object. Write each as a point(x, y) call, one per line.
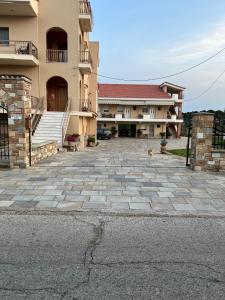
point(57, 94)
point(127, 130)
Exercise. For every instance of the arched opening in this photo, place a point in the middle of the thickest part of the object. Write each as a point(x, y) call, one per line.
point(57, 94)
point(57, 45)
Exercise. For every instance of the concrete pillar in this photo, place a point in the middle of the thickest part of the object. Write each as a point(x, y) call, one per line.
point(201, 143)
point(15, 93)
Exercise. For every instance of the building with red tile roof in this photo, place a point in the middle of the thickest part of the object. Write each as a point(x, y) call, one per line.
point(145, 108)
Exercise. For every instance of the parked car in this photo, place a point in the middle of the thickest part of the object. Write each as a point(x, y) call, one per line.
point(104, 134)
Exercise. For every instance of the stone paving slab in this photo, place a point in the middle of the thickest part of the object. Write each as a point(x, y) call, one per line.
point(116, 176)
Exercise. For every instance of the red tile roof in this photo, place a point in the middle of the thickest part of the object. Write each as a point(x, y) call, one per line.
point(131, 91)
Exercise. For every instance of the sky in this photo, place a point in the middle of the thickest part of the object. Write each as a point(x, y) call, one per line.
point(152, 38)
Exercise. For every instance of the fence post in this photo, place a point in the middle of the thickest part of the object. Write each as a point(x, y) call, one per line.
point(201, 144)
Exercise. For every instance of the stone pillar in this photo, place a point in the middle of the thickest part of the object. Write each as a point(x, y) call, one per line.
point(201, 143)
point(15, 93)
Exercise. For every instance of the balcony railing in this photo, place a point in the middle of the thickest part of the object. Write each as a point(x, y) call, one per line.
point(57, 55)
point(85, 8)
point(18, 47)
point(85, 57)
point(86, 105)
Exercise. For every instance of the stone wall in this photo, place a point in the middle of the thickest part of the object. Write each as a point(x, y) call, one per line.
point(203, 156)
point(15, 93)
point(42, 151)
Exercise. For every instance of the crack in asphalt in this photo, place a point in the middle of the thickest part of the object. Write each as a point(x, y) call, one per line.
point(89, 264)
point(88, 258)
point(152, 263)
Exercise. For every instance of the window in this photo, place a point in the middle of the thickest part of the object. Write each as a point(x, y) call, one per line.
point(4, 35)
point(134, 107)
point(145, 110)
point(159, 108)
point(119, 109)
point(105, 110)
point(158, 126)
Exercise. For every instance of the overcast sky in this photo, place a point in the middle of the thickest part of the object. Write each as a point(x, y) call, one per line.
point(151, 38)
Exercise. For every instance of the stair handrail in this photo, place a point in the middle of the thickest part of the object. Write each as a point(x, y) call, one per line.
point(65, 120)
point(37, 112)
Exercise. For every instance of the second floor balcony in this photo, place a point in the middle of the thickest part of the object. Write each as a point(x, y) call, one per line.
point(28, 8)
point(85, 16)
point(140, 118)
point(60, 56)
point(18, 53)
point(85, 64)
point(86, 105)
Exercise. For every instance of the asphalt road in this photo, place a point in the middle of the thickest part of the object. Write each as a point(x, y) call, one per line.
point(103, 257)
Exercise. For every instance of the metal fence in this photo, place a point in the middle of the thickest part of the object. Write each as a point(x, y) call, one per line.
point(4, 134)
point(219, 134)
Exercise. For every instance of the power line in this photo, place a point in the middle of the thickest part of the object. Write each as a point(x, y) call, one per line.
point(208, 88)
point(163, 77)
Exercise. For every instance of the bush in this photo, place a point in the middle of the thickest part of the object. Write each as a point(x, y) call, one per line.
point(91, 140)
point(162, 134)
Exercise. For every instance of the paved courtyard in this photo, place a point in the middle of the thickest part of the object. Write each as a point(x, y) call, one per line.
point(117, 175)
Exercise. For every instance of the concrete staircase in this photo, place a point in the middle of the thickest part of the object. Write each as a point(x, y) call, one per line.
point(49, 128)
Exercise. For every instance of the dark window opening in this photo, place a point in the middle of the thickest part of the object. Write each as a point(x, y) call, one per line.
point(4, 35)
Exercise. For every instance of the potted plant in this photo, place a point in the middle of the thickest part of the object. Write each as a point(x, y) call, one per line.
point(139, 133)
point(163, 135)
point(91, 142)
point(73, 138)
point(163, 144)
point(114, 131)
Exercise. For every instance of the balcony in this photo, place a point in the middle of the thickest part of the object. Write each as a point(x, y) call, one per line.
point(60, 56)
point(26, 8)
point(85, 16)
point(85, 64)
point(18, 53)
point(86, 105)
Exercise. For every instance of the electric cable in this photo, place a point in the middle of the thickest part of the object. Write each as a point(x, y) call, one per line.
point(166, 76)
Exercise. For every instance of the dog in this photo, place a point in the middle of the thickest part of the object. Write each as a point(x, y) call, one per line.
point(150, 152)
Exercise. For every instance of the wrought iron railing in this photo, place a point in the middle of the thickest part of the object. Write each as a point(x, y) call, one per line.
point(66, 119)
point(57, 55)
point(37, 108)
point(219, 134)
point(18, 47)
point(85, 8)
point(86, 105)
point(4, 135)
point(85, 57)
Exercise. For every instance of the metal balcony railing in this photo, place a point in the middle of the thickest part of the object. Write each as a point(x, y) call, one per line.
point(85, 57)
point(57, 55)
point(86, 105)
point(18, 47)
point(85, 8)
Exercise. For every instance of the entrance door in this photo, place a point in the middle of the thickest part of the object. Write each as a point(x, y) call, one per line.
point(151, 131)
point(127, 113)
point(57, 94)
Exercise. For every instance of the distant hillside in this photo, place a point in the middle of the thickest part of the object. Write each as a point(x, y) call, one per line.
point(218, 114)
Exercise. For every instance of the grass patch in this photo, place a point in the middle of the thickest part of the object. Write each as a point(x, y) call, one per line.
point(179, 152)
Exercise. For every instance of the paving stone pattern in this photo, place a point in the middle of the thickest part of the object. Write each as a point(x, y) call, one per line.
point(117, 175)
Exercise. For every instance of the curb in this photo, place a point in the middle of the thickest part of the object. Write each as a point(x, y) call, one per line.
point(112, 213)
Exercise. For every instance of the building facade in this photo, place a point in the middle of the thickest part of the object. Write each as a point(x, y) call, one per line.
point(48, 42)
point(145, 110)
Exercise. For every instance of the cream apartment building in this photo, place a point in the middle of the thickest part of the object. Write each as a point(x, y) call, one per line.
point(48, 41)
point(151, 109)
